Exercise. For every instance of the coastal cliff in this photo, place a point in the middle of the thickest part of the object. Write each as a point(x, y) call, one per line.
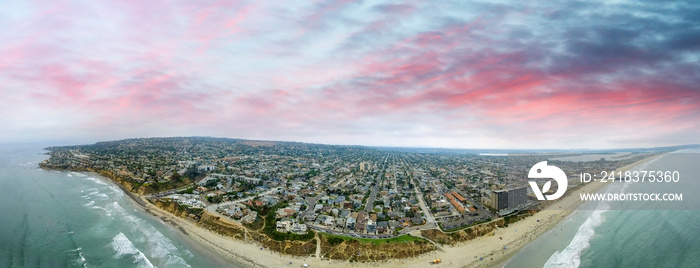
point(172, 207)
point(364, 251)
point(219, 226)
point(464, 235)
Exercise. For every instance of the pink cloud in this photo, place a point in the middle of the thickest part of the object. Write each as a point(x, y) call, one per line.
point(224, 67)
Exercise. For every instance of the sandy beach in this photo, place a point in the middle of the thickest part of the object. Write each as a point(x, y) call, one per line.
point(485, 251)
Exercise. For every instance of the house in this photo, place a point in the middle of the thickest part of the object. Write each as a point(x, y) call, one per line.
point(441, 212)
point(417, 219)
point(360, 226)
point(250, 218)
point(320, 220)
point(330, 221)
point(356, 204)
point(350, 223)
point(382, 227)
point(363, 216)
point(371, 227)
point(269, 200)
point(396, 214)
point(285, 212)
point(299, 228)
point(296, 206)
point(310, 217)
point(191, 202)
point(393, 225)
point(284, 225)
point(340, 223)
point(326, 210)
point(233, 211)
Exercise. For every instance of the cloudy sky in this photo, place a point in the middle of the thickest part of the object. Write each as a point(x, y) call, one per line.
point(485, 74)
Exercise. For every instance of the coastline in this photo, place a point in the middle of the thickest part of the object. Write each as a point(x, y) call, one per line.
point(484, 251)
point(186, 230)
point(139, 202)
point(569, 204)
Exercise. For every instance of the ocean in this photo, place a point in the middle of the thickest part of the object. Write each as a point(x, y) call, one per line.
point(70, 219)
point(628, 234)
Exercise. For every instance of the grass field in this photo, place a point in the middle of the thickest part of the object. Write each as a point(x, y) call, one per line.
point(398, 239)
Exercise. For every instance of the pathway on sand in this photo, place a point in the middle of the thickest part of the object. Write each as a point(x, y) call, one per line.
point(418, 234)
point(318, 246)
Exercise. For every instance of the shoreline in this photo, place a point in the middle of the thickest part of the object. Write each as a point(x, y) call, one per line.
point(484, 251)
point(165, 218)
point(188, 235)
point(503, 260)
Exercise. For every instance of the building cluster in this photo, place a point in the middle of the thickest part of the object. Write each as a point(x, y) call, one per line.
point(191, 200)
point(290, 225)
point(348, 190)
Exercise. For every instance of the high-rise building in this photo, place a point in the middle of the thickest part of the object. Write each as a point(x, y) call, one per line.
point(508, 198)
point(364, 166)
point(499, 199)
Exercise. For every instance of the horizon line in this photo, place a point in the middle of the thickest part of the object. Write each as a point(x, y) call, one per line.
point(375, 146)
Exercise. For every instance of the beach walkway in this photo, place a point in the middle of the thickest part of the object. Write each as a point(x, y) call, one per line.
point(318, 246)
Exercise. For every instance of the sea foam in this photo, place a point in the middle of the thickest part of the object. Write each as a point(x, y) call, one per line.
point(571, 255)
point(157, 246)
point(96, 181)
point(123, 246)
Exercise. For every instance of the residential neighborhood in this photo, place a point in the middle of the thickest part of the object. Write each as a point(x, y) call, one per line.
point(343, 190)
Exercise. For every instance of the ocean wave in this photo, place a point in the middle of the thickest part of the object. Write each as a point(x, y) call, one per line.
point(100, 182)
point(80, 258)
point(162, 247)
point(107, 213)
point(175, 261)
point(117, 192)
point(115, 208)
point(91, 203)
point(157, 246)
point(571, 255)
point(119, 213)
point(123, 246)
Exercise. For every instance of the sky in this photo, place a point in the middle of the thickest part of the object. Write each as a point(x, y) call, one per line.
point(453, 74)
